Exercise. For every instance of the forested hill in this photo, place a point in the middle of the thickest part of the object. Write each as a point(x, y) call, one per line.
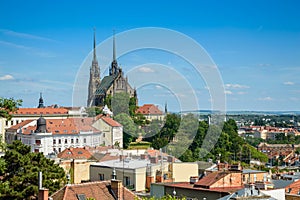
point(229, 147)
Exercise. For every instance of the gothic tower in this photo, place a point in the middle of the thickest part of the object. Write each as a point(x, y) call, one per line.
point(114, 65)
point(94, 81)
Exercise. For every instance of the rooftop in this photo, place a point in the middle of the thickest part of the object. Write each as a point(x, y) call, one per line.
point(99, 190)
point(127, 163)
point(149, 109)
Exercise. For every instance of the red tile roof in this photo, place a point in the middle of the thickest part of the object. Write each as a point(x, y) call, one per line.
point(293, 188)
point(210, 179)
point(110, 121)
point(65, 126)
point(75, 153)
point(149, 109)
point(97, 190)
point(41, 111)
point(21, 124)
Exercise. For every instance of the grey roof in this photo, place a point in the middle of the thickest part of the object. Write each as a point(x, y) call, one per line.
point(250, 171)
point(128, 163)
point(247, 193)
point(106, 82)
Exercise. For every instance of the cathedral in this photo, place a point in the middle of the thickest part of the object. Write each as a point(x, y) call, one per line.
point(113, 83)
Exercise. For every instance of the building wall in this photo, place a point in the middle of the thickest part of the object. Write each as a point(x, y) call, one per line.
point(62, 141)
point(111, 134)
point(196, 194)
point(231, 180)
point(180, 175)
point(252, 177)
point(2, 130)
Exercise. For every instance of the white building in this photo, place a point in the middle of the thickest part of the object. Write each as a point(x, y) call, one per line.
point(55, 135)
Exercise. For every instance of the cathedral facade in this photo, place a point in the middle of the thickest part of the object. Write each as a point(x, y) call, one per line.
point(115, 82)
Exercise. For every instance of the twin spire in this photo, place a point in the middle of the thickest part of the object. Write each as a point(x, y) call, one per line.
point(114, 47)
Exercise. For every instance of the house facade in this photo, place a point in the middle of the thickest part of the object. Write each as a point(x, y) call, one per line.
point(54, 135)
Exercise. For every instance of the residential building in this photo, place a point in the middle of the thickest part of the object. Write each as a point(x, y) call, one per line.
point(212, 186)
point(76, 162)
point(151, 112)
point(111, 129)
point(2, 129)
point(54, 135)
point(138, 172)
point(99, 190)
point(292, 191)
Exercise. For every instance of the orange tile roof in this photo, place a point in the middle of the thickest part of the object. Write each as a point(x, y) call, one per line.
point(98, 190)
point(65, 126)
point(110, 121)
point(293, 188)
point(149, 109)
point(41, 111)
point(21, 124)
point(210, 179)
point(75, 153)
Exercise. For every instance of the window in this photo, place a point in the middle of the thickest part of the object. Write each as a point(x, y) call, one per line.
point(6, 123)
point(127, 180)
point(103, 134)
point(59, 149)
point(59, 141)
point(11, 122)
point(66, 141)
point(81, 196)
point(77, 140)
point(84, 140)
point(54, 141)
point(72, 141)
point(38, 142)
point(36, 150)
point(101, 177)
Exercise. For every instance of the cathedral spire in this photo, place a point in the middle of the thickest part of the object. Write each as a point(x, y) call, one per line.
point(114, 47)
point(114, 64)
point(94, 81)
point(94, 51)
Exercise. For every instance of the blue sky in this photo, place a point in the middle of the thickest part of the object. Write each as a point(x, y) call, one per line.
point(255, 45)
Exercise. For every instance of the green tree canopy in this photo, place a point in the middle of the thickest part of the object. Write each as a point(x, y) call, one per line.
point(20, 174)
point(7, 106)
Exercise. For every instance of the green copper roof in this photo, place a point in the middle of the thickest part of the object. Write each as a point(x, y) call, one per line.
point(106, 82)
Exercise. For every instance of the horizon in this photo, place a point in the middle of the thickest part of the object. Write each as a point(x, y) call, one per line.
point(255, 46)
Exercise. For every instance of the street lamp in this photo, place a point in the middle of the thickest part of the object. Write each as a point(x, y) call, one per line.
point(174, 193)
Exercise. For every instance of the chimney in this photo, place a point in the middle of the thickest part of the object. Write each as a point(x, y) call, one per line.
point(154, 160)
point(171, 159)
point(43, 192)
point(143, 156)
point(116, 186)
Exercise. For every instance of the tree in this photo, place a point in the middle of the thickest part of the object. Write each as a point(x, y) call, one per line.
point(120, 103)
point(8, 106)
point(129, 128)
point(20, 175)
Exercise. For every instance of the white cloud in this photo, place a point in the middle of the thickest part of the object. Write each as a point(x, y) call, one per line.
point(146, 70)
point(235, 86)
point(6, 77)
point(227, 92)
point(265, 99)
point(288, 83)
point(24, 35)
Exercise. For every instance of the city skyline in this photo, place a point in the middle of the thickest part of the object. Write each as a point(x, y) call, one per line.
point(255, 45)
